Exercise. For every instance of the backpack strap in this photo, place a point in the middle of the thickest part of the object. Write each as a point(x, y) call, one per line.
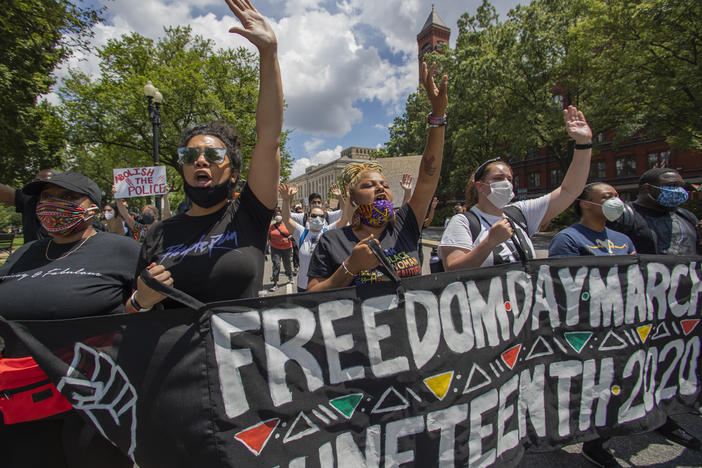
point(473, 223)
point(515, 214)
point(302, 237)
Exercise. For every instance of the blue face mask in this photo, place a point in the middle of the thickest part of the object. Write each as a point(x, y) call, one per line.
point(670, 197)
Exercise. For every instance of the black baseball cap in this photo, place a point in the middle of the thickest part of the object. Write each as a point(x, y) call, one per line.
point(69, 180)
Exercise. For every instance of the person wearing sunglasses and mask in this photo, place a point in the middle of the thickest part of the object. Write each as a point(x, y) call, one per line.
point(214, 251)
point(598, 204)
point(493, 231)
point(75, 272)
point(655, 221)
point(343, 256)
point(306, 237)
point(140, 225)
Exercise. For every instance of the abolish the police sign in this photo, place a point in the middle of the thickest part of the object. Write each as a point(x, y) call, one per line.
point(139, 181)
point(455, 369)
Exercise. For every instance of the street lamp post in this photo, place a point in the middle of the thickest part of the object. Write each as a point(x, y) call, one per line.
point(155, 98)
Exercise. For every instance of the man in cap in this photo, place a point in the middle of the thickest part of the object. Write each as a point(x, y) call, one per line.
point(657, 225)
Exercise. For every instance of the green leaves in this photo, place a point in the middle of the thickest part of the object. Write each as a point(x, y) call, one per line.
point(631, 67)
point(108, 115)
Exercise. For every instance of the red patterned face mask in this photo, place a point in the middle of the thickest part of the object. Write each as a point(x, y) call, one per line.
point(61, 216)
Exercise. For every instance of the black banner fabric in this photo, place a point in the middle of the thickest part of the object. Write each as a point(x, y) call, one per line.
point(460, 368)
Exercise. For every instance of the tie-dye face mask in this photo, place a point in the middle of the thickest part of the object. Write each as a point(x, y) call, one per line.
point(62, 216)
point(376, 214)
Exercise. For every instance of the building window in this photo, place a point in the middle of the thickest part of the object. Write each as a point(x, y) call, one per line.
point(534, 180)
point(598, 170)
point(558, 101)
point(625, 166)
point(515, 182)
point(555, 177)
point(600, 137)
point(661, 159)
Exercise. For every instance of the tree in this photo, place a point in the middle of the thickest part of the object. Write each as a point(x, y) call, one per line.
point(108, 125)
point(647, 67)
point(35, 36)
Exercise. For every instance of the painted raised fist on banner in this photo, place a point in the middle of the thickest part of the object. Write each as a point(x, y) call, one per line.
point(96, 385)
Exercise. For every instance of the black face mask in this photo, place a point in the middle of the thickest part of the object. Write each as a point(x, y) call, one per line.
point(146, 219)
point(206, 197)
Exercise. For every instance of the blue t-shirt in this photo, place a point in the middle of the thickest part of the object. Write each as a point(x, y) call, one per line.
point(578, 240)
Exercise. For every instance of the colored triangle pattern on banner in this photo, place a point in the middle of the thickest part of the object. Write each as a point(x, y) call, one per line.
point(346, 405)
point(577, 340)
point(541, 347)
point(611, 342)
point(688, 325)
point(477, 378)
point(644, 331)
point(509, 357)
point(439, 384)
point(256, 437)
point(301, 427)
point(390, 401)
point(661, 332)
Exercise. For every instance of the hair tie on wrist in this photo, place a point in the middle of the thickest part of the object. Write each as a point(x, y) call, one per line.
point(583, 146)
point(346, 270)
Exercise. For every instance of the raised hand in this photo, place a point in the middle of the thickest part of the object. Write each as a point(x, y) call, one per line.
point(406, 182)
point(438, 96)
point(576, 125)
point(287, 191)
point(336, 191)
point(255, 28)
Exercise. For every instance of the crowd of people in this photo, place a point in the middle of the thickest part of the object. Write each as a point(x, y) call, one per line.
point(214, 247)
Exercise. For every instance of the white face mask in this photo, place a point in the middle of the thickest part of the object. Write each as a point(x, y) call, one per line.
point(278, 219)
point(612, 208)
point(316, 224)
point(500, 193)
point(109, 215)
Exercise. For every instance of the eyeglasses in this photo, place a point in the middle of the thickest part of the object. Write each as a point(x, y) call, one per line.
point(316, 216)
point(188, 155)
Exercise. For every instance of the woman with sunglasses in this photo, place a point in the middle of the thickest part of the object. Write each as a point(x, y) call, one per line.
point(214, 251)
point(493, 232)
point(343, 256)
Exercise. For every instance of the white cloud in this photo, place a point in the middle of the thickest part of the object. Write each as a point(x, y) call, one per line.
point(322, 157)
point(313, 145)
point(327, 65)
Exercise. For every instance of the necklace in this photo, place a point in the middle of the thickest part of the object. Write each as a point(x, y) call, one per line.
point(46, 254)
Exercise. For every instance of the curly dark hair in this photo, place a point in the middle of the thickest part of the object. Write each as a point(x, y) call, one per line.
point(222, 130)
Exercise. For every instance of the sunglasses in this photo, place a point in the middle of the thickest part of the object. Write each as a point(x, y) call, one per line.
point(188, 155)
point(316, 216)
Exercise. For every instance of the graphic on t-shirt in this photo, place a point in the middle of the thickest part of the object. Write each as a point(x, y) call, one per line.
point(607, 245)
point(405, 265)
point(205, 244)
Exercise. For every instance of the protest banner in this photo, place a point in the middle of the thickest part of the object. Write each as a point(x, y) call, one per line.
point(464, 368)
point(140, 181)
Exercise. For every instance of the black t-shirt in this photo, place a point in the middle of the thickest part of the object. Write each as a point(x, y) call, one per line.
point(31, 227)
point(214, 257)
point(398, 243)
point(96, 279)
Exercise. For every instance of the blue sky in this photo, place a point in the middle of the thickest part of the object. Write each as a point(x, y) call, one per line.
point(347, 65)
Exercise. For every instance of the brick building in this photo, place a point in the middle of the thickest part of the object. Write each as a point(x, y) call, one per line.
point(620, 165)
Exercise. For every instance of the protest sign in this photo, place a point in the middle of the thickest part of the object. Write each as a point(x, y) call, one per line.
point(464, 368)
point(140, 181)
